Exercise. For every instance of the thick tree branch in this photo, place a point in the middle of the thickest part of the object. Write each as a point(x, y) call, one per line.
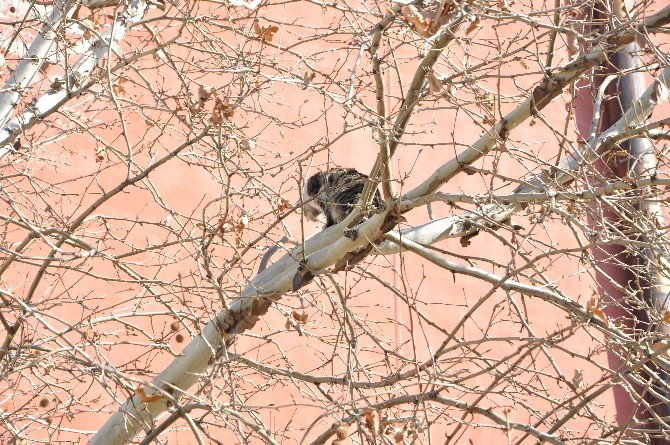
point(461, 225)
point(76, 81)
point(22, 76)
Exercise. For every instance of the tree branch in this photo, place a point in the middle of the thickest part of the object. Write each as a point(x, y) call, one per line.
point(76, 81)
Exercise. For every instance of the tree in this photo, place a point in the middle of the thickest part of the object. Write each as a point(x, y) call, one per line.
point(153, 157)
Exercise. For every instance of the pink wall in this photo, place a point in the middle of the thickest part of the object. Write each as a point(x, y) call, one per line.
point(90, 289)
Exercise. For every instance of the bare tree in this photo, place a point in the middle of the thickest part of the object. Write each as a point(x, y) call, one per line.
point(513, 286)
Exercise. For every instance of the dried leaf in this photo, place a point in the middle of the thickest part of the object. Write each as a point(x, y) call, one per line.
point(221, 227)
point(399, 436)
point(578, 378)
point(266, 33)
point(592, 303)
point(371, 420)
point(666, 317)
point(661, 347)
point(414, 16)
point(204, 94)
point(465, 240)
point(146, 398)
point(434, 84)
point(300, 317)
point(216, 118)
point(283, 204)
point(248, 144)
point(56, 84)
point(219, 112)
point(307, 79)
point(474, 25)
point(592, 307)
point(223, 109)
point(90, 334)
point(342, 431)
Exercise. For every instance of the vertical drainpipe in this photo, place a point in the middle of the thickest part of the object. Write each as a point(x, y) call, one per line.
point(615, 265)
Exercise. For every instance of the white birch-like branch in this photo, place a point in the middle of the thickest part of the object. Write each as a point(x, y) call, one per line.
point(463, 225)
point(32, 61)
point(319, 252)
point(77, 80)
point(330, 246)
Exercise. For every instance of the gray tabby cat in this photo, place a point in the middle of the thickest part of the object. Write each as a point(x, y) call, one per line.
point(334, 193)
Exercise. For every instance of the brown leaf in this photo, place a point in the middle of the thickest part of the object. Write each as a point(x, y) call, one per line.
point(283, 204)
point(225, 108)
point(578, 378)
point(300, 317)
point(371, 420)
point(399, 436)
point(90, 334)
point(593, 303)
point(434, 84)
point(266, 33)
point(666, 317)
point(56, 84)
point(307, 79)
point(414, 16)
point(474, 25)
point(592, 307)
point(216, 118)
point(660, 347)
point(221, 227)
point(204, 94)
point(465, 240)
point(247, 144)
point(221, 109)
point(146, 398)
point(342, 431)
point(242, 223)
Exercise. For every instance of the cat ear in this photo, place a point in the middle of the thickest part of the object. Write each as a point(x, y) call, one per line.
point(314, 184)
